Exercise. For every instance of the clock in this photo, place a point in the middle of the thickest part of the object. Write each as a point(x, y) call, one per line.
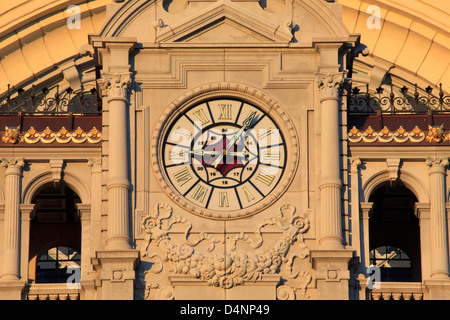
point(225, 158)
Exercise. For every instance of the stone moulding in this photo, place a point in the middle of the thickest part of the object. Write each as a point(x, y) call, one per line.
point(416, 135)
point(233, 267)
point(32, 136)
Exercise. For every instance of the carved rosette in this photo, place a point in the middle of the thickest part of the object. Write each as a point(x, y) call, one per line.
point(330, 84)
point(116, 85)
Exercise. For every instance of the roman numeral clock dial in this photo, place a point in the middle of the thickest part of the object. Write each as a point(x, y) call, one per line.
point(223, 158)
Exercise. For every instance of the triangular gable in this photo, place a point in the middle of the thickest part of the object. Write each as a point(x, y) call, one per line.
point(225, 23)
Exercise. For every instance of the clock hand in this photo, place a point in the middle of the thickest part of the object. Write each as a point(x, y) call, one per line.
point(237, 153)
point(245, 125)
point(201, 152)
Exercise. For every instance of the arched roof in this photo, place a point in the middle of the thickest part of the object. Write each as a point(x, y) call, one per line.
point(35, 40)
point(413, 41)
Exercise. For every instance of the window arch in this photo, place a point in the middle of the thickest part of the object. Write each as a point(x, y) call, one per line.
point(55, 234)
point(394, 233)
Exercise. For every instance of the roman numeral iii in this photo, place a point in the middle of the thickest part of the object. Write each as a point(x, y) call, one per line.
point(182, 176)
point(265, 178)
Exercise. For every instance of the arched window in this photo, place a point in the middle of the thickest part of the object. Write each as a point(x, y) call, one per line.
point(394, 263)
point(57, 264)
point(55, 234)
point(394, 234)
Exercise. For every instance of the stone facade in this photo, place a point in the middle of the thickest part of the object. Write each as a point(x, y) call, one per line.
point(144, 182)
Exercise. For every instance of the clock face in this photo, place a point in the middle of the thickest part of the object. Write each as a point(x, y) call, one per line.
point(223, 158)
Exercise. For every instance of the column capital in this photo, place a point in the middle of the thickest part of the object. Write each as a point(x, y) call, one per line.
point(13, 165)
point(437, 164)
point(437, 161)
point(366, 209)
point(355, 162)
point(96, 165)
point(330, 84)
point(116, 84)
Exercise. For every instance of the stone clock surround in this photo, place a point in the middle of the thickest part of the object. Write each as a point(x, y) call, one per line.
point(244, 93)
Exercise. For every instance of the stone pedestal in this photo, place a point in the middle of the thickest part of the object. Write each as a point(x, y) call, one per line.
point(437, 289)
point(12, 289)
point(332, 273)
point(116, 274)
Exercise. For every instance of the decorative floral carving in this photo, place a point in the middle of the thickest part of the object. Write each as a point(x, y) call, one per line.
point(63, 136)
point(94, 136)
point(79, 136)
point(12, 135)
point(436, 134)
point(232, 268)
point(416, 135)
point(48, 136)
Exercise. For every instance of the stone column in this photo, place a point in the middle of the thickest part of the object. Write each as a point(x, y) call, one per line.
point(438, 218)
point(11, 232)
point(330, 181)
point(118, 182)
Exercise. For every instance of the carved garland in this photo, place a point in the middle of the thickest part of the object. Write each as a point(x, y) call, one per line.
point(235, 267)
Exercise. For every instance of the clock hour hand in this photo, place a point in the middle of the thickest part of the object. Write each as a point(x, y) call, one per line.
point(245, 125)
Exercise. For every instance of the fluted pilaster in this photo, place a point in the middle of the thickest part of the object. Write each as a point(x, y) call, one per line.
point(11, 230)
point(438, 218)
point(329, 85)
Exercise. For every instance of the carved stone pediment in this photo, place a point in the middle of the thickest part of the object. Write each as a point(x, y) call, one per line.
point(225, 23)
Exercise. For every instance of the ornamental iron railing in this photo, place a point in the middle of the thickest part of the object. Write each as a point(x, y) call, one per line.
point(397, 101)
point(51, 101)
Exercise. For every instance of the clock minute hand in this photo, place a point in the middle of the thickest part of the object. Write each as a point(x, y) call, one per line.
point(201, 152)
point(245, 125)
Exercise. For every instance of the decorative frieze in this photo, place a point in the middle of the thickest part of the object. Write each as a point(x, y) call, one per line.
point(435, 134)
point(233, 267)
point(32, 136)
